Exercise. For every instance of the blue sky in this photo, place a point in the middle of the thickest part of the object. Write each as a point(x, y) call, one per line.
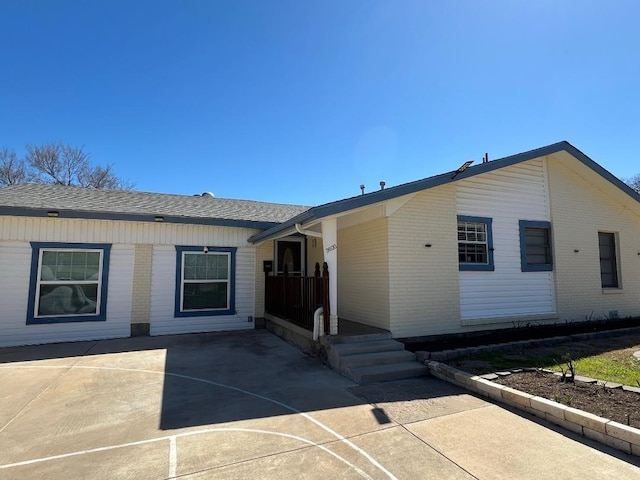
point(301, 102)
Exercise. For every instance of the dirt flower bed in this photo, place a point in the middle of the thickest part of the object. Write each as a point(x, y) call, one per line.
point(613, 403)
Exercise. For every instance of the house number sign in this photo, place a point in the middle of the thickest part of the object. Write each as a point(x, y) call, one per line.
point(331, 248)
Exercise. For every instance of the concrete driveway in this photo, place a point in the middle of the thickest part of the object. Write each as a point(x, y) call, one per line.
point(248, 405)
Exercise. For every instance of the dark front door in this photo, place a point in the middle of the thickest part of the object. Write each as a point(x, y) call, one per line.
point(289, 254)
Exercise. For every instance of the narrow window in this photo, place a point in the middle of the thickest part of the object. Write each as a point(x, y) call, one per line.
point(205, 281)
point(535, 246)
point(608, 262)
point(475, 245)
point(68, 282)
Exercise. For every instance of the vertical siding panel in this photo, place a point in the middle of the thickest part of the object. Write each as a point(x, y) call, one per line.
point(15, 260)
point(506, 195)
point(163, 286)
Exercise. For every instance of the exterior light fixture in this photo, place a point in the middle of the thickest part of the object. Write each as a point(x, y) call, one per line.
point(158, 218)
point(53, 213)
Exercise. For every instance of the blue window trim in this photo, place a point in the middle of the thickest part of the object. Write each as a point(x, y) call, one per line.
point(101, 316)
point(232, 282)
point(525, 267)
point(479, 267)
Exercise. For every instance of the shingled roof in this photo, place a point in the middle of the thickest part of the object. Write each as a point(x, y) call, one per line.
point(77, 202)
point(359, 201)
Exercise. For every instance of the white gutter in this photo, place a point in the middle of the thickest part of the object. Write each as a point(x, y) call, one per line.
point(310, 233)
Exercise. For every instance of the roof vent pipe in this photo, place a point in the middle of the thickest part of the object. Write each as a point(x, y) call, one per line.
point(382, 184)
point(362, 188)
point(486, 158)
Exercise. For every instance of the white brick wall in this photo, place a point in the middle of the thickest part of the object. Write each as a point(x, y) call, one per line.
point(582, 204)
point(363, 273)
point(424, 280)
point(264, 251)
point(141, 292)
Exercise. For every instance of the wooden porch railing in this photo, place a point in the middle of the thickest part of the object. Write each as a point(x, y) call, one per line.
point(296, 298)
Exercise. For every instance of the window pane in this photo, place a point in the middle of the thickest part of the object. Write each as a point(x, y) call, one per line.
point(198, 296)
point(608, 264)
point(472, 253)
point(472, 243)
point(189, 272)
point(189, 260)
point(538, 249)
point(68, 299)
point(217, 267)
point(209, 266)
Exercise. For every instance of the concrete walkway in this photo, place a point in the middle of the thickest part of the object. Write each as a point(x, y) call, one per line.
point(248, 405)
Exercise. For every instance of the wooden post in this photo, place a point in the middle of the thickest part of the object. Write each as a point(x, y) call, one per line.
point(285, 306)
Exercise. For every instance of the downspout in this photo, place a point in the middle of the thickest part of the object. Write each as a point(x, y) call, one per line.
point(316, 323)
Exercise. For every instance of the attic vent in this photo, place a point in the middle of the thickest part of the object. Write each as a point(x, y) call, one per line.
point(208, 194)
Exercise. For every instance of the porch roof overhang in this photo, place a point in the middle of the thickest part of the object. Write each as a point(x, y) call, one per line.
point(316, 214)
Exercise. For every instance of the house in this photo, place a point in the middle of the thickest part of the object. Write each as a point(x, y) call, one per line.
point(81, 264)
point(543, 236)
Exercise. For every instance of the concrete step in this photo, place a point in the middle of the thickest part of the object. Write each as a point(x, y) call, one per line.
point(386, 345)
point(387, 372)
point(367, 337)
point(376, 358)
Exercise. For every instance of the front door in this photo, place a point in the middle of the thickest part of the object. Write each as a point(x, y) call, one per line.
point(289, 253)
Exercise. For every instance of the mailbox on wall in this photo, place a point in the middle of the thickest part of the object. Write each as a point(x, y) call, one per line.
point(267, 266)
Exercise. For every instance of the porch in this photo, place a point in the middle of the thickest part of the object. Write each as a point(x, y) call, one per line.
point(295, 299)
point(360, 352)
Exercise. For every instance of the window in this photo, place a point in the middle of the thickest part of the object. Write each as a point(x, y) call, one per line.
point(205, 281)
point(68, 282)
point(608, 263)
point(535, 246)
point(475, 243)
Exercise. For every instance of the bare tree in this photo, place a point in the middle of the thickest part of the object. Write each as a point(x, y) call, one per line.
point(60, 164)
point(102, 177)
point(634, 182)
point(57, 163)
point(12, 169)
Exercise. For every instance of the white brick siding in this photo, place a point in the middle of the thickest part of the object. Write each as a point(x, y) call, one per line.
point(582, 204)
point(363, 273)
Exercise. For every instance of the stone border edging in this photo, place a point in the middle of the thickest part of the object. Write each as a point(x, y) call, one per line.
point(603, 430)
point(577, 337)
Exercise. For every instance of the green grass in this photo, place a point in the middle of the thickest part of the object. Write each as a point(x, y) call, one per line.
point(611, 370)
point(617, 366)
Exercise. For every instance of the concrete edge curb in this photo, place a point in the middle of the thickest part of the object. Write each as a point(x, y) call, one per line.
point(443, 355)
point(603, 430)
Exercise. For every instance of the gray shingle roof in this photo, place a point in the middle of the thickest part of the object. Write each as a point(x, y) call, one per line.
point(359, 201)
point(76, 202)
